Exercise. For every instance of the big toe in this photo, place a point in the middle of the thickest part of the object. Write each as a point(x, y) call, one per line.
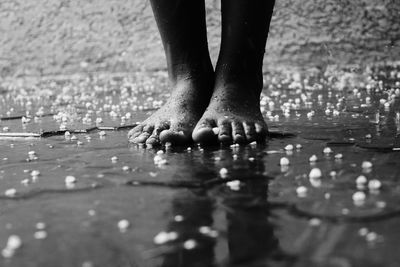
point(204, 133)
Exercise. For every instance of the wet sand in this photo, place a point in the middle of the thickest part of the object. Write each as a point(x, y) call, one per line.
point(129, 205)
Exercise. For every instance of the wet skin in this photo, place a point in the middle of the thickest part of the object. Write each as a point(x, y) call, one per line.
point(232, 92)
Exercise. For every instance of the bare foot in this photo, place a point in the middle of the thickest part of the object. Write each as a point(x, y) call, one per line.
point(175, 121)
point(233, 116)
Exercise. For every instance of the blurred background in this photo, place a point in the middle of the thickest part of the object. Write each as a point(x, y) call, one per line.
point(52, 37)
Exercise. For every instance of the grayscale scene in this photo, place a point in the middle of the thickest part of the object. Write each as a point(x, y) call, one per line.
point(200, 133)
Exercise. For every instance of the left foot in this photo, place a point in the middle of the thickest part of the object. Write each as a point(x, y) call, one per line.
point(233, 116)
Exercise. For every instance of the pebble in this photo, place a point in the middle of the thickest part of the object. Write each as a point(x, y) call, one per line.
point(123, 225)
point(315, 173)
point(284, 161)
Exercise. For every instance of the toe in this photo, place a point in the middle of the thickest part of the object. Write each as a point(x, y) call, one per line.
point(135, 132)
point(238, 132)
point(225, 131)
point(261, 131)
point(154, 138)
point(175, 137)
point(146, 133)
point(250, 131)
point(204, 133)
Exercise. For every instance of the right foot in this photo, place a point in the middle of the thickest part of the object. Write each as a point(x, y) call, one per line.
point(174, 122)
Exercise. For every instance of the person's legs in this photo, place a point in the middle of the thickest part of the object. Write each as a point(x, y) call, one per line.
point(183, 31)
point(234, 107)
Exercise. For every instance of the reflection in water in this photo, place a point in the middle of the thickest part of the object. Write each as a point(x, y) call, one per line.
point(249, 234)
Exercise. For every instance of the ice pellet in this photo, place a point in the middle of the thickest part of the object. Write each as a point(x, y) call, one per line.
point(315, 173)
point(70, 179)
point(284, 161)
point(223, 172)
point(313, 158)
point(301, 191)
point(366, 165)
point(374, 184)
point(123, 225)
point(40, 234)
point(10, 192)
point(327, 150)
point(339, 156)
point(234, 185)
point(359, 198)
point(361, 180)
point(289, 147)
point(190, 244)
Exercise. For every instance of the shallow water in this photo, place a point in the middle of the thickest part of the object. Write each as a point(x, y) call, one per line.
point(186, 211)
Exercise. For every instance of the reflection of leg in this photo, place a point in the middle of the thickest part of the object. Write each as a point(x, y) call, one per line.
point(196, 211)
point(234, 107)
point(183, 31)
point(250, 235)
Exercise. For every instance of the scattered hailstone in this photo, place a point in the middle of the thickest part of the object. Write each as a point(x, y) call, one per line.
point(114, 159)
point(315, 173)
point(314, 222)
point(289, 147)
point(14, 242)
point(159, 160)
point(178, 218)
point(339, 156)
point(10, 192)
point(164, 237)
point(70, 179)
point(301, 191)
point(102, 133)
point(359, 198)
point(298, 146)
point(366, 165)
point(284, 161)
point(327, 150)
point(123, 225)
point(234, 185)
point(190, 244)
point(361, 180)
point(313, 158)
point(374, 184)
point(125, 168)
point(40, 234)
point(35, 173)
point(223, 172)
point(215, 130)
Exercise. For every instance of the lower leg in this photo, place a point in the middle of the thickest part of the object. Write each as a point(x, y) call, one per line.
point(234, 110)
point(183, 32)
